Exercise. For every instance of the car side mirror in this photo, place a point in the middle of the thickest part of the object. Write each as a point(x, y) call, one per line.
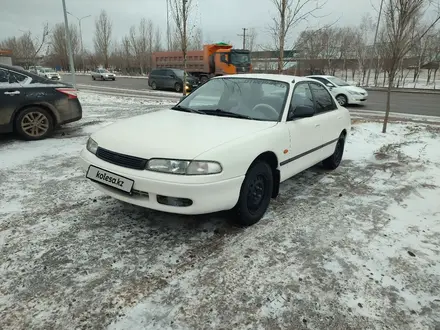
point(302, 111)
point(330, 86)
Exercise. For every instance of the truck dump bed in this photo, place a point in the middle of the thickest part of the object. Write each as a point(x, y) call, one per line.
point(195, 60)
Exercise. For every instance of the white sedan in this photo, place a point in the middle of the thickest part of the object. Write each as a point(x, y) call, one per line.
point(344, 92)
point(226, 146)
point(103, 74)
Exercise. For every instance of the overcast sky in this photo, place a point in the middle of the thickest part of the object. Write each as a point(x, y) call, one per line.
point(220, 20)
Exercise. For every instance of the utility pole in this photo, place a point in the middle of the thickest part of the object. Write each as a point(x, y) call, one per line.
point(69, 44)
point(374, 43)
point(80, 36)
point(168, 26)
point(244, 37)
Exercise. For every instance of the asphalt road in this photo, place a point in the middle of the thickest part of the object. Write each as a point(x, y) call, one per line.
point(409, 103)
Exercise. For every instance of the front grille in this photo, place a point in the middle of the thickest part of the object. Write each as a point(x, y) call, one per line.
point(121, 160)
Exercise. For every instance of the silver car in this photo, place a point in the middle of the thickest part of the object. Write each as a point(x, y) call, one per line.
point(103, 74)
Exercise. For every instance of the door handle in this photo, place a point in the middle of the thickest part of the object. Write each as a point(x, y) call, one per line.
point(339, 117)
point(12, 93)
point(317, 125)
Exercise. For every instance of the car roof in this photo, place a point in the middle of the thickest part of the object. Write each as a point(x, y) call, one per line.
point(268, 76)
point(320, 76)
point(18, 70)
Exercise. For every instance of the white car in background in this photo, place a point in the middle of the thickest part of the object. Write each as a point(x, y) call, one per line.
point(344, 92)
point(48, 73)
point(226, 146)
point(103, 74)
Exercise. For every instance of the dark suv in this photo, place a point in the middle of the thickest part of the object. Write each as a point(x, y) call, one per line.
point(171, 79)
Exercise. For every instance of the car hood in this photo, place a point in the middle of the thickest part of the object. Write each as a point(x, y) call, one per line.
point(174, 134)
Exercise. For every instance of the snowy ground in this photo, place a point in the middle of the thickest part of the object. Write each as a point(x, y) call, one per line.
point(356, 248)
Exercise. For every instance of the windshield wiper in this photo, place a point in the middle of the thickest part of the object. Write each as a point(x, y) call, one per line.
point(225, 113)
point(180, 108)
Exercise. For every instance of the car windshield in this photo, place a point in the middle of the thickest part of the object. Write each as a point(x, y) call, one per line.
point(103, 71)
point(338, 82)
point(240, 58)
point(179, 73)
point(249, 98)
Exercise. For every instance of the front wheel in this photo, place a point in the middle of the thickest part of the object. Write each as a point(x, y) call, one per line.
point(93, 78)
point(335, 159)
point(255, 194)
point(342, 100)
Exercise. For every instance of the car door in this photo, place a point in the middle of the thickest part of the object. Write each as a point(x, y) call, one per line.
point(12, 94)
point(305, 135)
point(329, 116)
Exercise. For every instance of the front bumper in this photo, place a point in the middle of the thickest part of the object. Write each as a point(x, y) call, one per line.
point(148, 189)
point(357, 99)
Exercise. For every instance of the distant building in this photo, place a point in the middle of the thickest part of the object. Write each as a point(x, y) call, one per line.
point(6, 56)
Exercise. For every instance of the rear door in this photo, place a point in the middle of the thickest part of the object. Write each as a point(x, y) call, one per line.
point(329, 116)
point(12, 94)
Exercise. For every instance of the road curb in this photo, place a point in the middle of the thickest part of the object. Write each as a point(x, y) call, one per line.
point(404, 90)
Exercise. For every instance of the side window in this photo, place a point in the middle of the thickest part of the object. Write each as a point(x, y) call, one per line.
point(4, 77)
point(323, 99)
point(15, 77)
point(302, 97)
point(224, 58)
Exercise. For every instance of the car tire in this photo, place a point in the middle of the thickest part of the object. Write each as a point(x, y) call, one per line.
point(342, 100)
point(114, 79)
point(34, 123)
point(204, 79)
point(332, 162)
point(255, 194)
point(93, 78)
point(177, 87)
point(153, 85)
point(102, 78)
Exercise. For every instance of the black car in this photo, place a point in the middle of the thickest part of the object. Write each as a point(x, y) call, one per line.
point(171, 79)
point(33, 106)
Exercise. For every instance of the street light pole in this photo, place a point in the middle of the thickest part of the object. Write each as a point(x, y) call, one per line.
point(80, 36)
point(69, 44)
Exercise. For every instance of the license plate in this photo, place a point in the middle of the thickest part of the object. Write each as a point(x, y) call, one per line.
point(110, 179)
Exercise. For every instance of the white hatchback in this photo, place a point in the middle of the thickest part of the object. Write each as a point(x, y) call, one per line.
point(344, 92)
point(226, 146)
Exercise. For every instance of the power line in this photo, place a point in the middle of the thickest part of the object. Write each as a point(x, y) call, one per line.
point(244, 37)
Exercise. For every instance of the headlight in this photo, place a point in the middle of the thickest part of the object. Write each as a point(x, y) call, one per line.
point(184, 167)
point(92, 146)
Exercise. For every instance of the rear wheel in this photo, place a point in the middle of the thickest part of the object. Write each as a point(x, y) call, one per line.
point(255, 194)
point(177, 87)
point(335, 159)
point(153, 85)
point(34, 123)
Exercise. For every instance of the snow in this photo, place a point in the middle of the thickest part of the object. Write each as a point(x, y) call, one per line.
point(354, 248)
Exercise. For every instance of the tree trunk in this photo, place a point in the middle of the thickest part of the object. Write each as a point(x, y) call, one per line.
point(435, 75)
point(282, 35)
point(388, 107)
point(185, 45)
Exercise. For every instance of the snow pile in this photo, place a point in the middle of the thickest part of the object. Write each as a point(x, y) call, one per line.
point(353, 248)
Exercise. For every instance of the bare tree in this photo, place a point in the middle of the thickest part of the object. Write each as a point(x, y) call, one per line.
point(157, 40)
point(251, 39)
point(57, 43)
point(181, 10)
point(289, 13)
point(196, 42)
point(26, 48)
point(400, 20)
point(103, 33)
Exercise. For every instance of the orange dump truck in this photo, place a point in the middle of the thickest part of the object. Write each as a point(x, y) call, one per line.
point(214, 60)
